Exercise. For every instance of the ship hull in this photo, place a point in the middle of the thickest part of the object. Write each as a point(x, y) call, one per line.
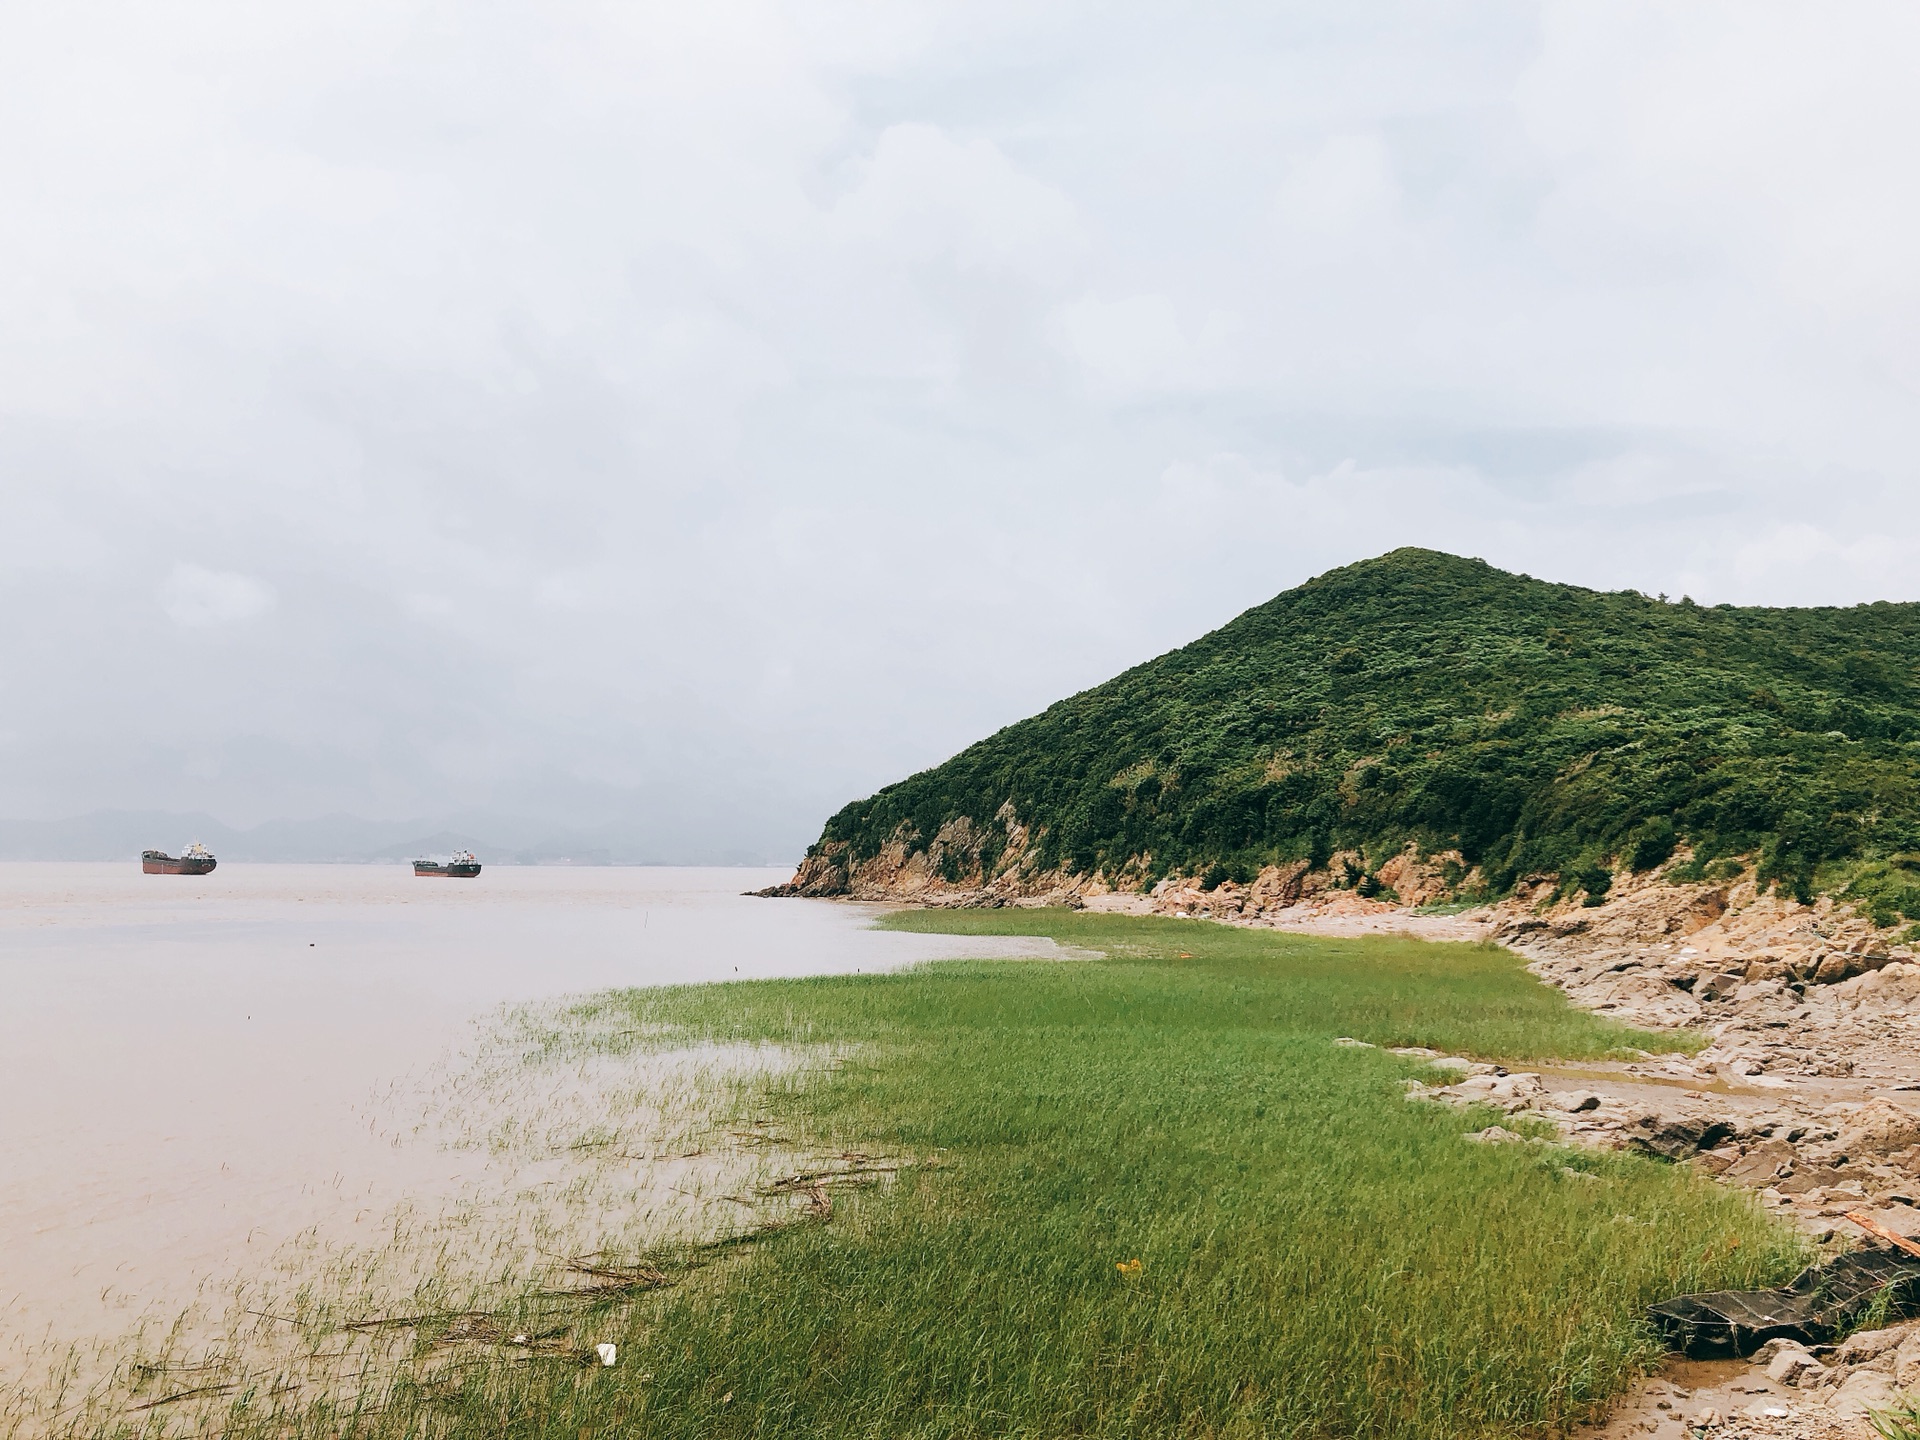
point(168, 865)
point(446, 872)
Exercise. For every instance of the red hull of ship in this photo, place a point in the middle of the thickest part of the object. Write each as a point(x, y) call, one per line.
point(171, 866)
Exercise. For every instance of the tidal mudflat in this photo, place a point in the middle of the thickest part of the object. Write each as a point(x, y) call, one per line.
point(234, 1082)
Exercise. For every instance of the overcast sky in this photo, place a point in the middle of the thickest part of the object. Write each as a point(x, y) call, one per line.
point(602, 410)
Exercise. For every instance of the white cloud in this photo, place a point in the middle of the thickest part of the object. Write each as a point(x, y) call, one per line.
point(925, 195)
point(198, 598)
point(781, 396)
point(1135, 342)
point(1344, 190)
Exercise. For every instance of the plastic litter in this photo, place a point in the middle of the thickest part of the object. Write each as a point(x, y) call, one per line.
point(606, 1353)
point(1815, 1305)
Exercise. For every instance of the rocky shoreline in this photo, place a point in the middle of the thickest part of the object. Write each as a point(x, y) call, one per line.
point(1808, 1094)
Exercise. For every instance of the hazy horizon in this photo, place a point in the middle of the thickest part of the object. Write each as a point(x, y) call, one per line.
point(674, 423)
point(497, 839)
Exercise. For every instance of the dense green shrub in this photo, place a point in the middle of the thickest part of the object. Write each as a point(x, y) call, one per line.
point(1536, 728)
point(1653, 843)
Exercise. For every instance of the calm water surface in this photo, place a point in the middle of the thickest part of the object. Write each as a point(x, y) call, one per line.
point(191, 1067)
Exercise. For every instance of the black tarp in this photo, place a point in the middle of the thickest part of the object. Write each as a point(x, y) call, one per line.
point(1815, 1306)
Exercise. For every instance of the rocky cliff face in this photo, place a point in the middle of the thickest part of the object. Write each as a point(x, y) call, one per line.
point(962, 865)
point(1652, 951)
point(969, 865)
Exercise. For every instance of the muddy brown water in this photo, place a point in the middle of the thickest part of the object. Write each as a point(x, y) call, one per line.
point(197, 1070)
point(1665, 1404)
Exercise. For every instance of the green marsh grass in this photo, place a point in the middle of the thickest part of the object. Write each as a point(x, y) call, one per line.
point(1316, 1257)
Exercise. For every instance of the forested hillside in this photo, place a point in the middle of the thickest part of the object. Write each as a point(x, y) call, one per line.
point(1535, 728)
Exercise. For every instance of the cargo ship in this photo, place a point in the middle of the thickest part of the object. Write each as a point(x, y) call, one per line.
point(458, 866)
point(196, 859)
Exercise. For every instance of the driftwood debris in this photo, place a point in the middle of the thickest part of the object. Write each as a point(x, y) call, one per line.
point(199, 1392)
point(605, 1277)
point(1880, 1232)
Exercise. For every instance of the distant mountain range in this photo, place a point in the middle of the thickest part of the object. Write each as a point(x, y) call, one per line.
point(495, 839)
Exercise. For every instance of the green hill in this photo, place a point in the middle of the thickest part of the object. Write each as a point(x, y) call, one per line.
point(1535, 728)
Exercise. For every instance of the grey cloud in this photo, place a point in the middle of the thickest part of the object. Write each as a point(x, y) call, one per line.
point(196, 597)
point(678, 420)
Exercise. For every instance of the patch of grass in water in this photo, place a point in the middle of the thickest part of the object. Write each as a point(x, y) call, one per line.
point(1315, 1256)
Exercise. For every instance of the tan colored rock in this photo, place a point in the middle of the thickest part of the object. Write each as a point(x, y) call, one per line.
point(1860, 1394)
point(1906, 1359)
point(1720, 985)
point(1523, 1086)
point(1794, 1366)
point(1277, 886)
point(1758, 992)
point(1763, 1164)
point(1879, 1127)
point(1575, 1102)
point(1496, 1135)
point(1866, 1345)
point(1896, 986)
point(1420, 881)
point(1717, 1161)
point(1832, 969)
point(1640, 998)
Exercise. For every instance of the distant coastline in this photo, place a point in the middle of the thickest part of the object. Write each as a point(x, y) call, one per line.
point(497, 839)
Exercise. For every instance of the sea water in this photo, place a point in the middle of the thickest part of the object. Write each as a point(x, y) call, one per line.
point(194, 1069)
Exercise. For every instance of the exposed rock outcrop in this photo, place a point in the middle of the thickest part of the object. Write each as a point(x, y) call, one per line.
point(1652, 953)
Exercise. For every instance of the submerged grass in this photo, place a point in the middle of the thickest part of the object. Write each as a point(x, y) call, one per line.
point(1164, 1204)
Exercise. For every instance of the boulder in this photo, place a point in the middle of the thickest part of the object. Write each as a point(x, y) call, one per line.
point(1862, 1393)
point(1763, 1164)
point(1496, 1135)
point(1860, 958)
point(1575, 1102)
point(1896, 987)
point(1804, 1181)
point(1717, 1161)
point(1870, 1345)
point(1675, 1137)
point(1640, 997)
point(1794, 1366)
point(1906, 1359)
point(1515, 1090)
point(1832, 970)
point(1879, 1127)
point(1721, 985)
